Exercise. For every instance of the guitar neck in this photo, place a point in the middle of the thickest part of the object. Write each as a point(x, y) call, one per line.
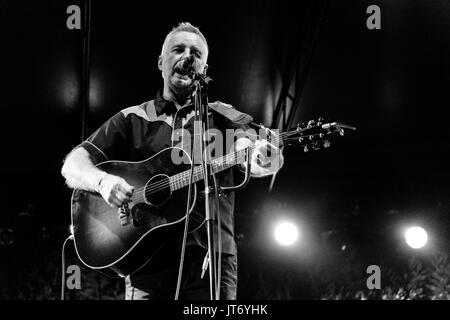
point(228, 161)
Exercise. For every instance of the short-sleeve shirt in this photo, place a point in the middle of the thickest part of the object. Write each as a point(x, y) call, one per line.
point(139, 132)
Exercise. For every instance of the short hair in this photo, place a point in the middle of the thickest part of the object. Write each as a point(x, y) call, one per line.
point(185, 27)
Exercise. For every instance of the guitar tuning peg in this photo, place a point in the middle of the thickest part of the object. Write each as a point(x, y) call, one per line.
point(305, 149)
point(326, 143)
point(300, 139)
point(320, 121)
point(311, 123)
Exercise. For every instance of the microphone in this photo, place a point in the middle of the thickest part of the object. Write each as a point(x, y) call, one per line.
point(188, 65)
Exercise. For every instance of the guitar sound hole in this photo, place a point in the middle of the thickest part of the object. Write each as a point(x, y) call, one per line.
point(157, 190)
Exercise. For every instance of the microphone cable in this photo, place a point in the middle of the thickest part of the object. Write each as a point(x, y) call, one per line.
point(63, 267)
point(219, 238)
point(186, 229)
point(186, 222)
point(216, 201)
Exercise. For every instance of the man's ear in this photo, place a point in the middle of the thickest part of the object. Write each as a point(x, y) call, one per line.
point(206, 68)
point(160, 62)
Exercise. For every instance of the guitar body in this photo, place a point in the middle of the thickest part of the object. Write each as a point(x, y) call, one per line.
point(103, 242)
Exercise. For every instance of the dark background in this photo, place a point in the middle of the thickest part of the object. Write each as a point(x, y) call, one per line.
point(392, 84)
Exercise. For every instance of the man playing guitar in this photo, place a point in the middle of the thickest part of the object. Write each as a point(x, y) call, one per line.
point(148, 130)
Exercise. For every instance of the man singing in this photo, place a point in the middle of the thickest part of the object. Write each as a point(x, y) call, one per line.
point(139, 132)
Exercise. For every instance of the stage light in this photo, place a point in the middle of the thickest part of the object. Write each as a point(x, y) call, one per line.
point(416, 237)
point(286, 233)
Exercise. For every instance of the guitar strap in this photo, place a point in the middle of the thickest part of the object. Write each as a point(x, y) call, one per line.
point(229, 112)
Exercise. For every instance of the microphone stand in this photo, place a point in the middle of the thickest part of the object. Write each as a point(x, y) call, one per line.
point(201, 82)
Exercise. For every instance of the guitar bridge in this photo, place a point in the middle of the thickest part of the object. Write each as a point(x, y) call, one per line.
point(124, 214)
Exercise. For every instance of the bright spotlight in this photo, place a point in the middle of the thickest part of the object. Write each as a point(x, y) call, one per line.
point(416, 237)
point(286, 233)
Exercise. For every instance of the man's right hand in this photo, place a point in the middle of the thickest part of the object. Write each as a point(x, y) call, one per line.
point(115, 190)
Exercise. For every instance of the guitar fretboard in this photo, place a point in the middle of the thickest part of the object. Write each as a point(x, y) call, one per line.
point(228, 161)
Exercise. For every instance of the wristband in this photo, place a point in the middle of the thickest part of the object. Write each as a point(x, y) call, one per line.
point(99, 181)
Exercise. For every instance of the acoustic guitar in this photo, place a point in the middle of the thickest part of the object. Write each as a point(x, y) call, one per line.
point(119, 247)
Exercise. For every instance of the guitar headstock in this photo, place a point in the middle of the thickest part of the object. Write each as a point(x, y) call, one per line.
point(316, 134)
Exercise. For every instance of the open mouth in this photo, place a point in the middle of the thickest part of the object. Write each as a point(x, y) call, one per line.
point(181, 71)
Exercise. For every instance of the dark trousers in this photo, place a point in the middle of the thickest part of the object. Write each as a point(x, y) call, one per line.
point(158, 279)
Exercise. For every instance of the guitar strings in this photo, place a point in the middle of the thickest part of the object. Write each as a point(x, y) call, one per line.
point(155, 187)
point(163, 184)
point(160, 185)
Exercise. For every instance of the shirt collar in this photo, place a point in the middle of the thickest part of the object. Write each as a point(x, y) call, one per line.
point(164, 106)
